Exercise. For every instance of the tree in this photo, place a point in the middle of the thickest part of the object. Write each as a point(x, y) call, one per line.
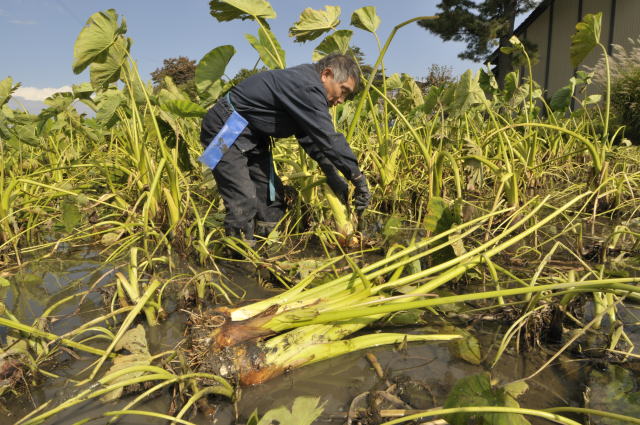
point(484, 25)
point(182, 71)
point(438, 75)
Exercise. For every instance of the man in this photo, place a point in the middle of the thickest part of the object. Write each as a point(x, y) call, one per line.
point(279, 103)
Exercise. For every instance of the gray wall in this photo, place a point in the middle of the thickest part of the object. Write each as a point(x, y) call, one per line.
point(551, 31)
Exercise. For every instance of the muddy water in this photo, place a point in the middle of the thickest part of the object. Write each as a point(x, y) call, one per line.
point(337, 382)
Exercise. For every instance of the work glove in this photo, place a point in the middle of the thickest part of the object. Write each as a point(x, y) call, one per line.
point(362, 196)
point(337, 184)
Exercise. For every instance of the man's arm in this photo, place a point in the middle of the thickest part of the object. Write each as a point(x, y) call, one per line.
point(309, 108)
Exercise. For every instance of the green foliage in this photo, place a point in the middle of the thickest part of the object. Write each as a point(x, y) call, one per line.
point(338, 42)
point(228, 10)
point(210, 69)
point(268, 47)
point(625, 103)
point(305, 411)
point(476, 390)
point(586, 37)
point(366, 19)
point(313, 23)
point(96, 38)
point(6, 90)
point(468, 92)
point(107, 71)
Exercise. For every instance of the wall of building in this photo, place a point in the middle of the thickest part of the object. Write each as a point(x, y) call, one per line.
point(551, 31)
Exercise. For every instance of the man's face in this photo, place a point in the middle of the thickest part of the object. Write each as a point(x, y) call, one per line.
point(336, 92)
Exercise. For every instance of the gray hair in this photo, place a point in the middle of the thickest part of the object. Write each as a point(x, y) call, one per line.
point(343, 67)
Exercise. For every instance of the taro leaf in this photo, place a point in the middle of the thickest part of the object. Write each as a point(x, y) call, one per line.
point(406, 318)
point(82, 90)
point(59, 101)
point(135, 342)
point(392, 226)
point(366, 19)
point(440, 216)
point(95, 38)
point(338, 42)
point(138, 89)
point(210, 68)
point(268, 47)
point(70, 215)
point(184, 108)
point(511, 84)
point(173, 139)
point(561, 99)
point(476, 390)
point(107, 71)
point(26, 133)
point(304, 411)
point(314, 23)
point(467, 348)
point(488, 82)
point(109, 102)
point(468, 93)
point(394, 82)
point(228, 10)
point(587, 37)
point(431, 99)
point(592, 99)
point(6, 90)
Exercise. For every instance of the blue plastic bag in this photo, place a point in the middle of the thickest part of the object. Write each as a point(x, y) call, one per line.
point(225, 138)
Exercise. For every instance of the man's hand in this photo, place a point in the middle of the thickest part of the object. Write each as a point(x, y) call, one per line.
point(339, 187)
point(362, 196)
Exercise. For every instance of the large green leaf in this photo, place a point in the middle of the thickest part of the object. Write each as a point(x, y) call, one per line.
point(227, 10)
point(211, 67)
point(587, 37)
point(366, 18)
point(107, 70)
point(314, 23)
point(82, 90)
point(305, 411)
point(468, 93)
point(476, 390)
point(95, 38)
point(338, 42)
point(184, 108)
point(71, 216)
point(267, 46)
point(108, 104)
point(134, 341)
point(561, 99)
point(6, 90)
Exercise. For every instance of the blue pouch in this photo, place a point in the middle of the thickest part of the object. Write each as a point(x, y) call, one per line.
point(225, 138)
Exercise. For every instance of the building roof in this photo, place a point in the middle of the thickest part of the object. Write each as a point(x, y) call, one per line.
point(542, 7)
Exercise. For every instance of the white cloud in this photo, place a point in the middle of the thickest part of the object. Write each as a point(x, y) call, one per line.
point(20, 22)
point(34, 93)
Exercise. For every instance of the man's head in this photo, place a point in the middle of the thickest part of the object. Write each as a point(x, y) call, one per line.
point(340, 77)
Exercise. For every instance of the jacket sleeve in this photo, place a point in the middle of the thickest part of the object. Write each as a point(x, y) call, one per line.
point(308, 107)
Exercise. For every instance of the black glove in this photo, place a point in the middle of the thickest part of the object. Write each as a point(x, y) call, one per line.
point(337, 184)
point(362, 196)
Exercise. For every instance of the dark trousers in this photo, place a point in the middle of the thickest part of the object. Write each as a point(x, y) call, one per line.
point(242, 176)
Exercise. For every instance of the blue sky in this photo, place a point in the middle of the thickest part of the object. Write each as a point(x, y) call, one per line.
point(39, 35)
